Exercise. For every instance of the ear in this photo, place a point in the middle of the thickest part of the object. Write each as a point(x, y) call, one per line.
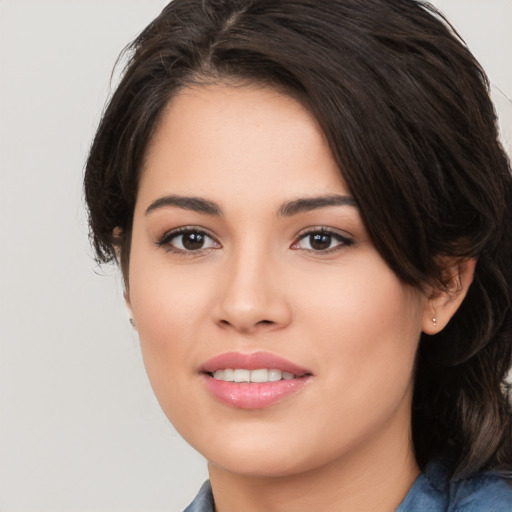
point(443, 302)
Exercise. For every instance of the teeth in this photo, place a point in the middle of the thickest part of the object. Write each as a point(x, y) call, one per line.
point(260, 375)
point(242, 375)
point(274, 375)
point(229, 375)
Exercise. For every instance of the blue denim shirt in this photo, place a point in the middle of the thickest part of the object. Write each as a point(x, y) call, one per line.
point(431, 492)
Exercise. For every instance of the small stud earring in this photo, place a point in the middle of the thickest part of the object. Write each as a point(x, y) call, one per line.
point(434, 316)
point(132, 322)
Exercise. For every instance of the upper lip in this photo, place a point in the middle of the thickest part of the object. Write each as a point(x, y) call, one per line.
point(252, 361)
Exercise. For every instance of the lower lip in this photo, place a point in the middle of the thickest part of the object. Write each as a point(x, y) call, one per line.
point(252, 395)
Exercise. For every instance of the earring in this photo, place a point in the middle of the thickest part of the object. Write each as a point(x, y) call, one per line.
point(434, 316)
point(132, 322)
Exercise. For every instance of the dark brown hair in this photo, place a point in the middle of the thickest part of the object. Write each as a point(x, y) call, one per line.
point(406, 110)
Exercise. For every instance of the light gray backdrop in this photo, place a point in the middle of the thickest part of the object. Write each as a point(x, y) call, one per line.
point(80, 429)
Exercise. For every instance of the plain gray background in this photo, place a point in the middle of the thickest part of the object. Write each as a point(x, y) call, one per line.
point(80, 429)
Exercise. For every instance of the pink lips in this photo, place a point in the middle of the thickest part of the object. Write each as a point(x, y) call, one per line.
point(251, 395)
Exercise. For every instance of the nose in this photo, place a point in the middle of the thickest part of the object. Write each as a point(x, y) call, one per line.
point(252, 297)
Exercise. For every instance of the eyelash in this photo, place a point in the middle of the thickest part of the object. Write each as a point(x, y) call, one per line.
point(166, 241)
point(344, 241)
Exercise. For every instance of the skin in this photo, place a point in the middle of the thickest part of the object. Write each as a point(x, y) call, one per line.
point(258, 284)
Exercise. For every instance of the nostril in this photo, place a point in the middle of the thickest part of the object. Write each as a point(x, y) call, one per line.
point(227, 323)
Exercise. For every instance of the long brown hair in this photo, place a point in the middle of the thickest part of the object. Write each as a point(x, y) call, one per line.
point(406, 110)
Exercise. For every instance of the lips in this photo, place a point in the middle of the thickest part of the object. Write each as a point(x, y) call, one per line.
point(252, 361)
point(252, 381)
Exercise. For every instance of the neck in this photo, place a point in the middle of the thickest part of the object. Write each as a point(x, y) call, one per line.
point(374, 477)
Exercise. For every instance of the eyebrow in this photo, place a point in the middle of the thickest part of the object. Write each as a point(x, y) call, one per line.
point(195, 204)
point(308, 204)
point(288, 209)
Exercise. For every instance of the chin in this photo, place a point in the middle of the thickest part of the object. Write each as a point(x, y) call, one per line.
point(262, 454)
point(262, 465)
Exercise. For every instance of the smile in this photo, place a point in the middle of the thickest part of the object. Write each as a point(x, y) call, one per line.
point(252, 381)
point(259, 375)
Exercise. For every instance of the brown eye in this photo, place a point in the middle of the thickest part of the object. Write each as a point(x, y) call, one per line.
point(322, 241)
point(188, 240)
point(193, 241)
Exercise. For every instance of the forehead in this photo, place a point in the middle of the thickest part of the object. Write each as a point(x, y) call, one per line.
point(221, 142)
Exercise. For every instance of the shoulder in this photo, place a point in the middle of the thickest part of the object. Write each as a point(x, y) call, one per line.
point(433, 491)
point(203, 502)
point(483, 492)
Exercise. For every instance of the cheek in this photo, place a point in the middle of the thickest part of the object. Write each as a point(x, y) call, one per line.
point(164, 295)
point(368, 326)
point(169, 309)
point(361, 299)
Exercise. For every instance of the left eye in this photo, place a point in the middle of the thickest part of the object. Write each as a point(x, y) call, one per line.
point(319, 241)
point(188, 241)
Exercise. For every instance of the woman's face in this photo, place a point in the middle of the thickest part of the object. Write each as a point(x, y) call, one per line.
point(249, 254)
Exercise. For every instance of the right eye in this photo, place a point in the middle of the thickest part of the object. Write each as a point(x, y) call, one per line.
point(187, 240)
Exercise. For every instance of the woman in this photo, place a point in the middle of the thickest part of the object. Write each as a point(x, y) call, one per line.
point(312, 215)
